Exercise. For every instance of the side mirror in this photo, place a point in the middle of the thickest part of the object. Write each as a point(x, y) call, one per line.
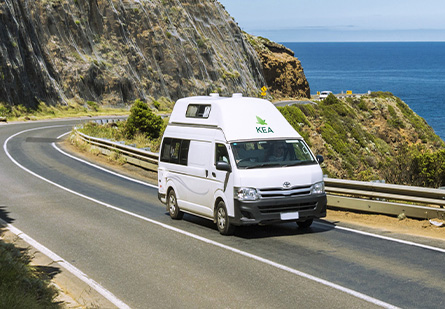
point(320, 159)
point(223, 166)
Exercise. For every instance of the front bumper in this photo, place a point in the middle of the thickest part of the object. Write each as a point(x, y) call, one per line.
point(268, 211)
point(162, 197)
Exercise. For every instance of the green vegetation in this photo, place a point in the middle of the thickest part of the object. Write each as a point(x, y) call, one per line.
point(430, 168)
point(93, 106)
point(297, 119)
point(22, 285)
point(373, 137)
point(44, 111)
point(394, 120)
point(143, 121)
point(142, 129)
point(419, 166)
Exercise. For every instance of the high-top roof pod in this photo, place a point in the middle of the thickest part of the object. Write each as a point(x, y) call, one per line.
point(239, 117)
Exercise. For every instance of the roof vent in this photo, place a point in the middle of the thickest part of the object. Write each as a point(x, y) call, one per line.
point(237, 95)
point(214, 95)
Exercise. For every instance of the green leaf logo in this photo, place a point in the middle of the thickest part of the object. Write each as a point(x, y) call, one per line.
point(261, 121)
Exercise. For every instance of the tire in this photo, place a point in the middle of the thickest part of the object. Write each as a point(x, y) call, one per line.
point(172, 206)
point(305, 224)
point(222, 220)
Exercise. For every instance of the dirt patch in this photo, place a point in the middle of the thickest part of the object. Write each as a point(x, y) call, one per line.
point(392, 224)
point(382, 222)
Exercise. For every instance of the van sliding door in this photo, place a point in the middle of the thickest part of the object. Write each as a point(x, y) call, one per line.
point(197, 180)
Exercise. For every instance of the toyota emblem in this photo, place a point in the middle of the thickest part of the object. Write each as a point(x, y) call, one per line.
point(286, 184)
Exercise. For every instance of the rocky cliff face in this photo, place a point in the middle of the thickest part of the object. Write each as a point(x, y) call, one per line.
point(283, 72)
point(115, 51)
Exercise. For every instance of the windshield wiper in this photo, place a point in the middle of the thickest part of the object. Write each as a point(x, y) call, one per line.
point(301, 163)
point(264, 165)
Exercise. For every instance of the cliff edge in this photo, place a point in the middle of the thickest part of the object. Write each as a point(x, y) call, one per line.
point(283, 72)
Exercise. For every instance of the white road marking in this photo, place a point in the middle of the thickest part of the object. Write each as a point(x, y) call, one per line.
point(68, 266)
point(194, 236)
point(71, 268)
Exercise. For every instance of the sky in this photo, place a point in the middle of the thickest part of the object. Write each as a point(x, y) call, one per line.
point(340, 20)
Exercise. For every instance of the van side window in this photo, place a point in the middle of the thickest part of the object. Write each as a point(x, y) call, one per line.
point(175, 150)
point(165, 150)
point(183, 155)
point(175, 147)
point(221, 154)
point(198, 111)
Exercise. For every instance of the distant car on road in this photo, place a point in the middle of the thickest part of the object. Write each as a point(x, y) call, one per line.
point(324, 94)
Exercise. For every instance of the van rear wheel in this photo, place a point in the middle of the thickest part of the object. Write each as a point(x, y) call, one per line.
point(172, 206)
point(222, 220)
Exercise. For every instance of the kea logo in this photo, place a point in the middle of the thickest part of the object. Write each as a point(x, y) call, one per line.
point(261, 121)
point(263, 128)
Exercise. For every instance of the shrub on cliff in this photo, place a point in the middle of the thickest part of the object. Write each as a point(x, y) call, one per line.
point(4, 110)
point(430, 168)
point(143, 120)
point(297, 119)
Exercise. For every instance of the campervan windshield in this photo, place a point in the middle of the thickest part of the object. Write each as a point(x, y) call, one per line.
point(272, 153)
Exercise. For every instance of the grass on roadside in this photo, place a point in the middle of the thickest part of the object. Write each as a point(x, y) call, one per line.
point(43, 111)
point(21, 285)
point(117, 132)
point(114, 132)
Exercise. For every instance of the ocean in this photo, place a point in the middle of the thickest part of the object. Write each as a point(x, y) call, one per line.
point(412, 71)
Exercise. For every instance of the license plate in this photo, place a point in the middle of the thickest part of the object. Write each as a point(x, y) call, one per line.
point(289, 215)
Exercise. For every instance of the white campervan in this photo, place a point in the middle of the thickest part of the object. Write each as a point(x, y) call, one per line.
point(237, 161)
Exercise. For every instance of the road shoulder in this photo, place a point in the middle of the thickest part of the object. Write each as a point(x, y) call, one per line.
point(73, 292)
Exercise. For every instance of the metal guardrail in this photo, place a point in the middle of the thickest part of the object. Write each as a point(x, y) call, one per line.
point(133, 155)
point(424, 203)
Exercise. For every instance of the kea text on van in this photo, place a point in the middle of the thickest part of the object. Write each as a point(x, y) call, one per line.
point(237, 161)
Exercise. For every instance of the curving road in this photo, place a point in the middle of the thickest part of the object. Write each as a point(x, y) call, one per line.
point(118, 233)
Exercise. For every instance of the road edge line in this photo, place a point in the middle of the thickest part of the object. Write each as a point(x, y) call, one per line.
point(71, 268)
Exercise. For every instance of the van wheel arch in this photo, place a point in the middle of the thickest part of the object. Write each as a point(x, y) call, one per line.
point(172, 205)
point(222, 219)
point(166, 197)
point(215, 206)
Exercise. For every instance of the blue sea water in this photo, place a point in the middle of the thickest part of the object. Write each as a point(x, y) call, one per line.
point(413, 71)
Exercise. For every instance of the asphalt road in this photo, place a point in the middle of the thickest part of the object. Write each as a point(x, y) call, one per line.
point(119, 234)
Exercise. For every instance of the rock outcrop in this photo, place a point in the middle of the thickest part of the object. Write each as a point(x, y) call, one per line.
point(283, 72)
point(115, 51)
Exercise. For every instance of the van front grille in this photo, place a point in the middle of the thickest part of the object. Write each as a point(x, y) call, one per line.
point(281, 192)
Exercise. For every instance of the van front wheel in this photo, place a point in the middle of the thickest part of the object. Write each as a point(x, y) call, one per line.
point(305, 224)
point(172, 205)
point(222, 220)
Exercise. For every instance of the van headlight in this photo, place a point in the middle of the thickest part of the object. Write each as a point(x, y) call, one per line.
point(317, 188)
point(246, 194)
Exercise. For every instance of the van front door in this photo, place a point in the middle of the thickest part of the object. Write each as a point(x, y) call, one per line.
point(222, 180)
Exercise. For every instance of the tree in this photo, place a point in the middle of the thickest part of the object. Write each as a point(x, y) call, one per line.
point(143, 120)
